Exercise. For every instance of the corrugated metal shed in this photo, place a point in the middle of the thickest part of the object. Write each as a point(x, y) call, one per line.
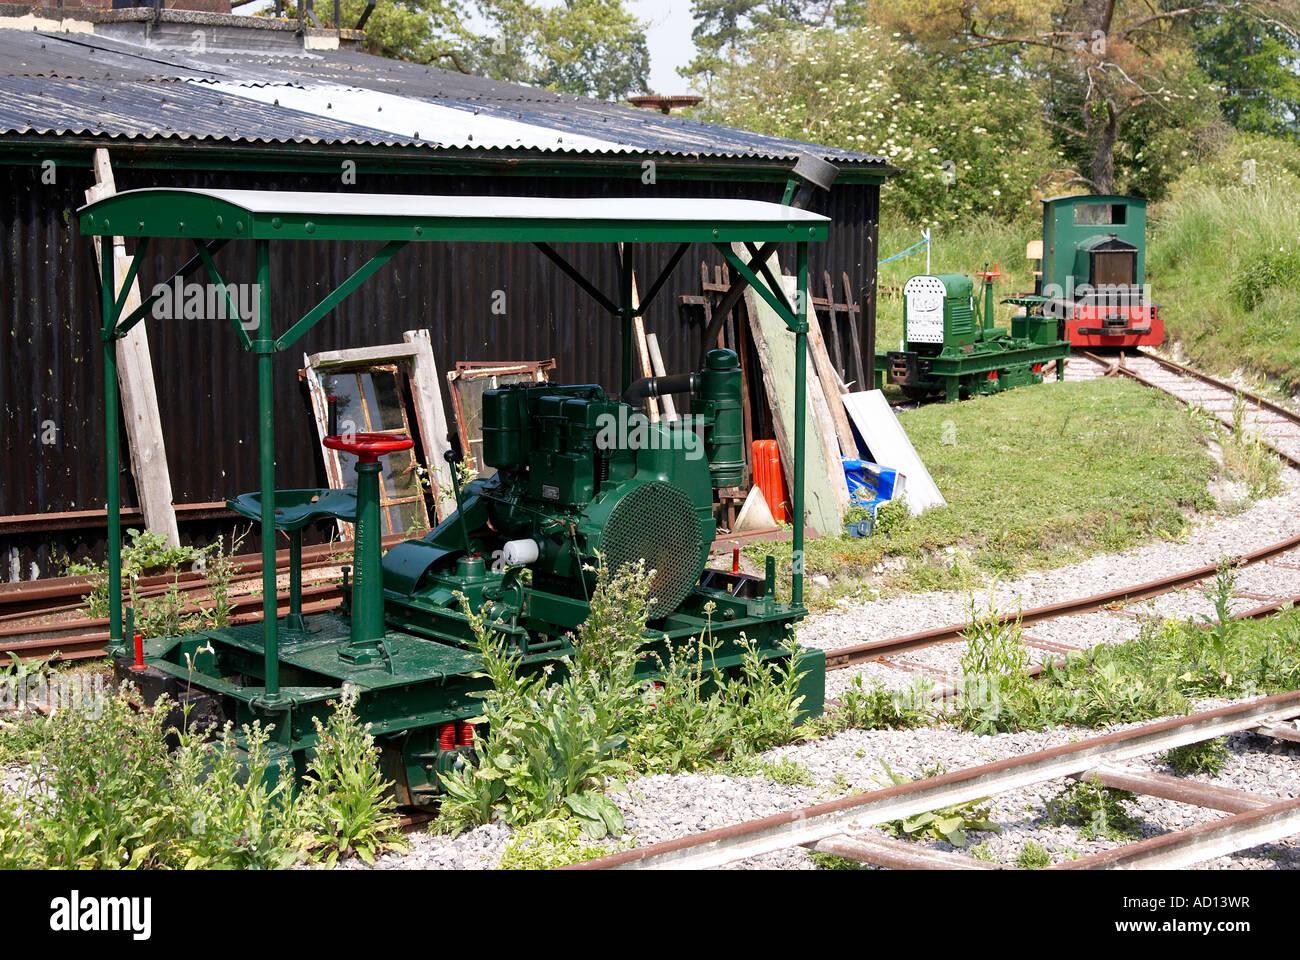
point(175, 118)
point(91, 84)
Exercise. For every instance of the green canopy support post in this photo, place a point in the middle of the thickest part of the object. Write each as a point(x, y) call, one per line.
point(800, 421)
point(295, 621)
point(264, 347)
point(626, 311)
point(112, 456)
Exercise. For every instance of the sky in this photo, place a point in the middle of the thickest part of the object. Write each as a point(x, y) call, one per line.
point(668, 36)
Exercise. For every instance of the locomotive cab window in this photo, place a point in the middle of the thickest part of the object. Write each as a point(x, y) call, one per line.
point(1100, 214)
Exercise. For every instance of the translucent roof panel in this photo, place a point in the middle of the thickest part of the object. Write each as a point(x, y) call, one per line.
point(270, 214)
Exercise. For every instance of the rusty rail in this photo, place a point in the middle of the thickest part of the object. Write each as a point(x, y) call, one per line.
point(809, 826)
point(841, 657)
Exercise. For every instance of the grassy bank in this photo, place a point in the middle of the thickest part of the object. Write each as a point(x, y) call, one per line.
point(1224, 262)
point(1033, 477)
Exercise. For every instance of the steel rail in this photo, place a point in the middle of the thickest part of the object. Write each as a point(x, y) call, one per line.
point(813, 824)
point(1124, 371)
point(147, 587)
point(93, 645)
point(1259, 401)
point(1183, 848)
point(841, 657)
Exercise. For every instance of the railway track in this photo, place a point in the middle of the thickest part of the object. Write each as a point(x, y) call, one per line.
point(843, 827)
point(1277, 426)
point(886, 651)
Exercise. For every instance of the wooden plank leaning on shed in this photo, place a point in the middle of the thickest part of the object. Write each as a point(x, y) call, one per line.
point(826, 488)
point(153, 482)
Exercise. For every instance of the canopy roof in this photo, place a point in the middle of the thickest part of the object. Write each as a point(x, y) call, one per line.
point(262, 214)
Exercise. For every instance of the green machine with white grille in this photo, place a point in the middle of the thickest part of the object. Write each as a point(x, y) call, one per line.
point(952, 347)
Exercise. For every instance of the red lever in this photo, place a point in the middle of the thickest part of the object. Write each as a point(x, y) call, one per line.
point(735, 559)
point(368, 447)
point(138, 666)
point(990, 274)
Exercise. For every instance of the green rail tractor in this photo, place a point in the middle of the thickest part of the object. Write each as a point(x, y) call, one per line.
point(953, 348)
point(582, 477)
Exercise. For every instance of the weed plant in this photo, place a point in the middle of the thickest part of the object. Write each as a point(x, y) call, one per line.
point(1208, 756)
point(1099, 812)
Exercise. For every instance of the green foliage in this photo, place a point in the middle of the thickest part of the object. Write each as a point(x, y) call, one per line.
point(876, 707)
point(1245, 457)
point(549, 746)
point(994, 667)
point(1033, 856)
point(107, 794)
point(789, 772)
point(547, 844)
point(1253, 65)
point(101, 792)
point(722, 26)
point(1272, 270)
point(828, 861)
point(422, 31)
point(892, 517)
point(1207, 756)
point(348, 803)
point(946, 823)
point(17, 847)
point(592, 47)
point(966, 131)
point(552, 746)
point(1226, 241)
point(147, 553)
point(233, 807)
point(1098, 811)
point(982, 851)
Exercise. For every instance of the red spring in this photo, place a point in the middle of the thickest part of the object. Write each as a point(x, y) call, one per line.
point(447, 736)
point(466, 734)
point(1038, 368)
point(735, 559)
point(993, 374)
point(139, 653)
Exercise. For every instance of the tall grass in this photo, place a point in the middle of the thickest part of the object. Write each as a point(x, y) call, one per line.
point(980, 241)
point(1224, 263)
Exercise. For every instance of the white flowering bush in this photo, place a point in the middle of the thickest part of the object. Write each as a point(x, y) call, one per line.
point(966, 132)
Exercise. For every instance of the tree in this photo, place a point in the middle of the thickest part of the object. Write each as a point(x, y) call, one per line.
point(1256, 66)
point(1100, 62)
point(422, 31)
point(590, 47)
point(967, 133)
point(721, 27)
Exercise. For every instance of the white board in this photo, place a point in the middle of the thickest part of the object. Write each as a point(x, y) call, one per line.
point(889, 447)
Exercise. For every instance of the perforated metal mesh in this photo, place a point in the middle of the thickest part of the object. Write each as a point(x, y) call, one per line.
point(657, 523)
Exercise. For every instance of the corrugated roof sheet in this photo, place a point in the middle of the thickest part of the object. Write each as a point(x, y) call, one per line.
point(84, 84)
